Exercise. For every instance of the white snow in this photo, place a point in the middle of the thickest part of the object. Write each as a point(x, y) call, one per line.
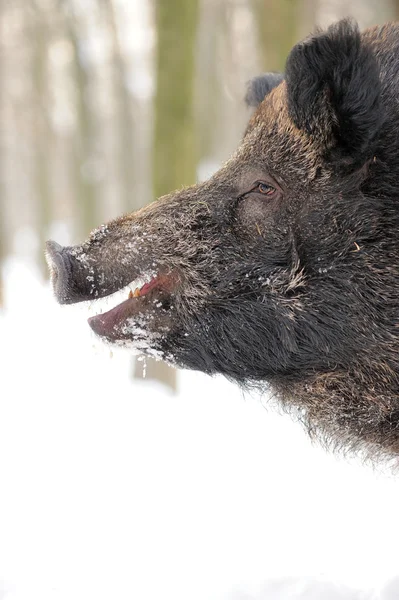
point(117, 490)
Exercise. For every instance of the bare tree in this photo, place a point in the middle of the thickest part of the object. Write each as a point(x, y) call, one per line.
point(84, 138)
point(174, 137)
point(2, 154)
point(42, 134)
point(174, 150)
point(278, 30)
point(123, 122)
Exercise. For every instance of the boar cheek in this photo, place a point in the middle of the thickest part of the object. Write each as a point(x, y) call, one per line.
point(255, 216)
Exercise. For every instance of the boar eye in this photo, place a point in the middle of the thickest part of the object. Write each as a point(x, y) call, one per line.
point(261, 187)
point(264, 188)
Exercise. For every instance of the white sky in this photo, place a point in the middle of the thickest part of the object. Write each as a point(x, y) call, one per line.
point(117, 490)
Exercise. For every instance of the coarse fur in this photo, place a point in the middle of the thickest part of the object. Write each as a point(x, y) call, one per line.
point(259, 87)
point(281, 270)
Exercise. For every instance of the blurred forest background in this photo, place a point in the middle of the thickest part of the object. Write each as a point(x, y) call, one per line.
point(108, 104)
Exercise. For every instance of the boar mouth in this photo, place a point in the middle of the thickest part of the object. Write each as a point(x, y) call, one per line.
point(138, 318)
point(130, 319)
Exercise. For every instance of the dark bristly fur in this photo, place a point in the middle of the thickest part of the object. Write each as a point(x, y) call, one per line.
point(291, 285)
point(334, 92)
point(259, 87)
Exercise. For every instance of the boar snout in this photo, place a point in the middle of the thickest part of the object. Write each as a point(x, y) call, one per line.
point(59, 263)
point(73, 277)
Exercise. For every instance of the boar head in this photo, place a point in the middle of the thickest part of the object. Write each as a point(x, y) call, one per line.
point(279, 268)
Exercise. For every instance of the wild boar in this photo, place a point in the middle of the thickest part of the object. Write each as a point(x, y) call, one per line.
point(281, 270)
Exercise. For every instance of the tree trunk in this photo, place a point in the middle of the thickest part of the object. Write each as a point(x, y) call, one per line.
point(278, 29)
point(84, 142)
point(395, 6)
point(125, 148)
point(2, 162)
point(42, 131)
point(175, 156)
point(174, 135)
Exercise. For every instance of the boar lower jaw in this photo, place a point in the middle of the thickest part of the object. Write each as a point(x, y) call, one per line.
point(143, 312)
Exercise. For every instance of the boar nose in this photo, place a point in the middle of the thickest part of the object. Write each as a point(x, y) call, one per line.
point(60, 269)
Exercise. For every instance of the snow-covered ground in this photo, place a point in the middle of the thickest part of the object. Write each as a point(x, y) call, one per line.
point(114, 489)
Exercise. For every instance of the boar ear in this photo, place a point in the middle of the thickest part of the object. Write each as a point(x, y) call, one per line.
point(333, 91)
point(259, 87)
